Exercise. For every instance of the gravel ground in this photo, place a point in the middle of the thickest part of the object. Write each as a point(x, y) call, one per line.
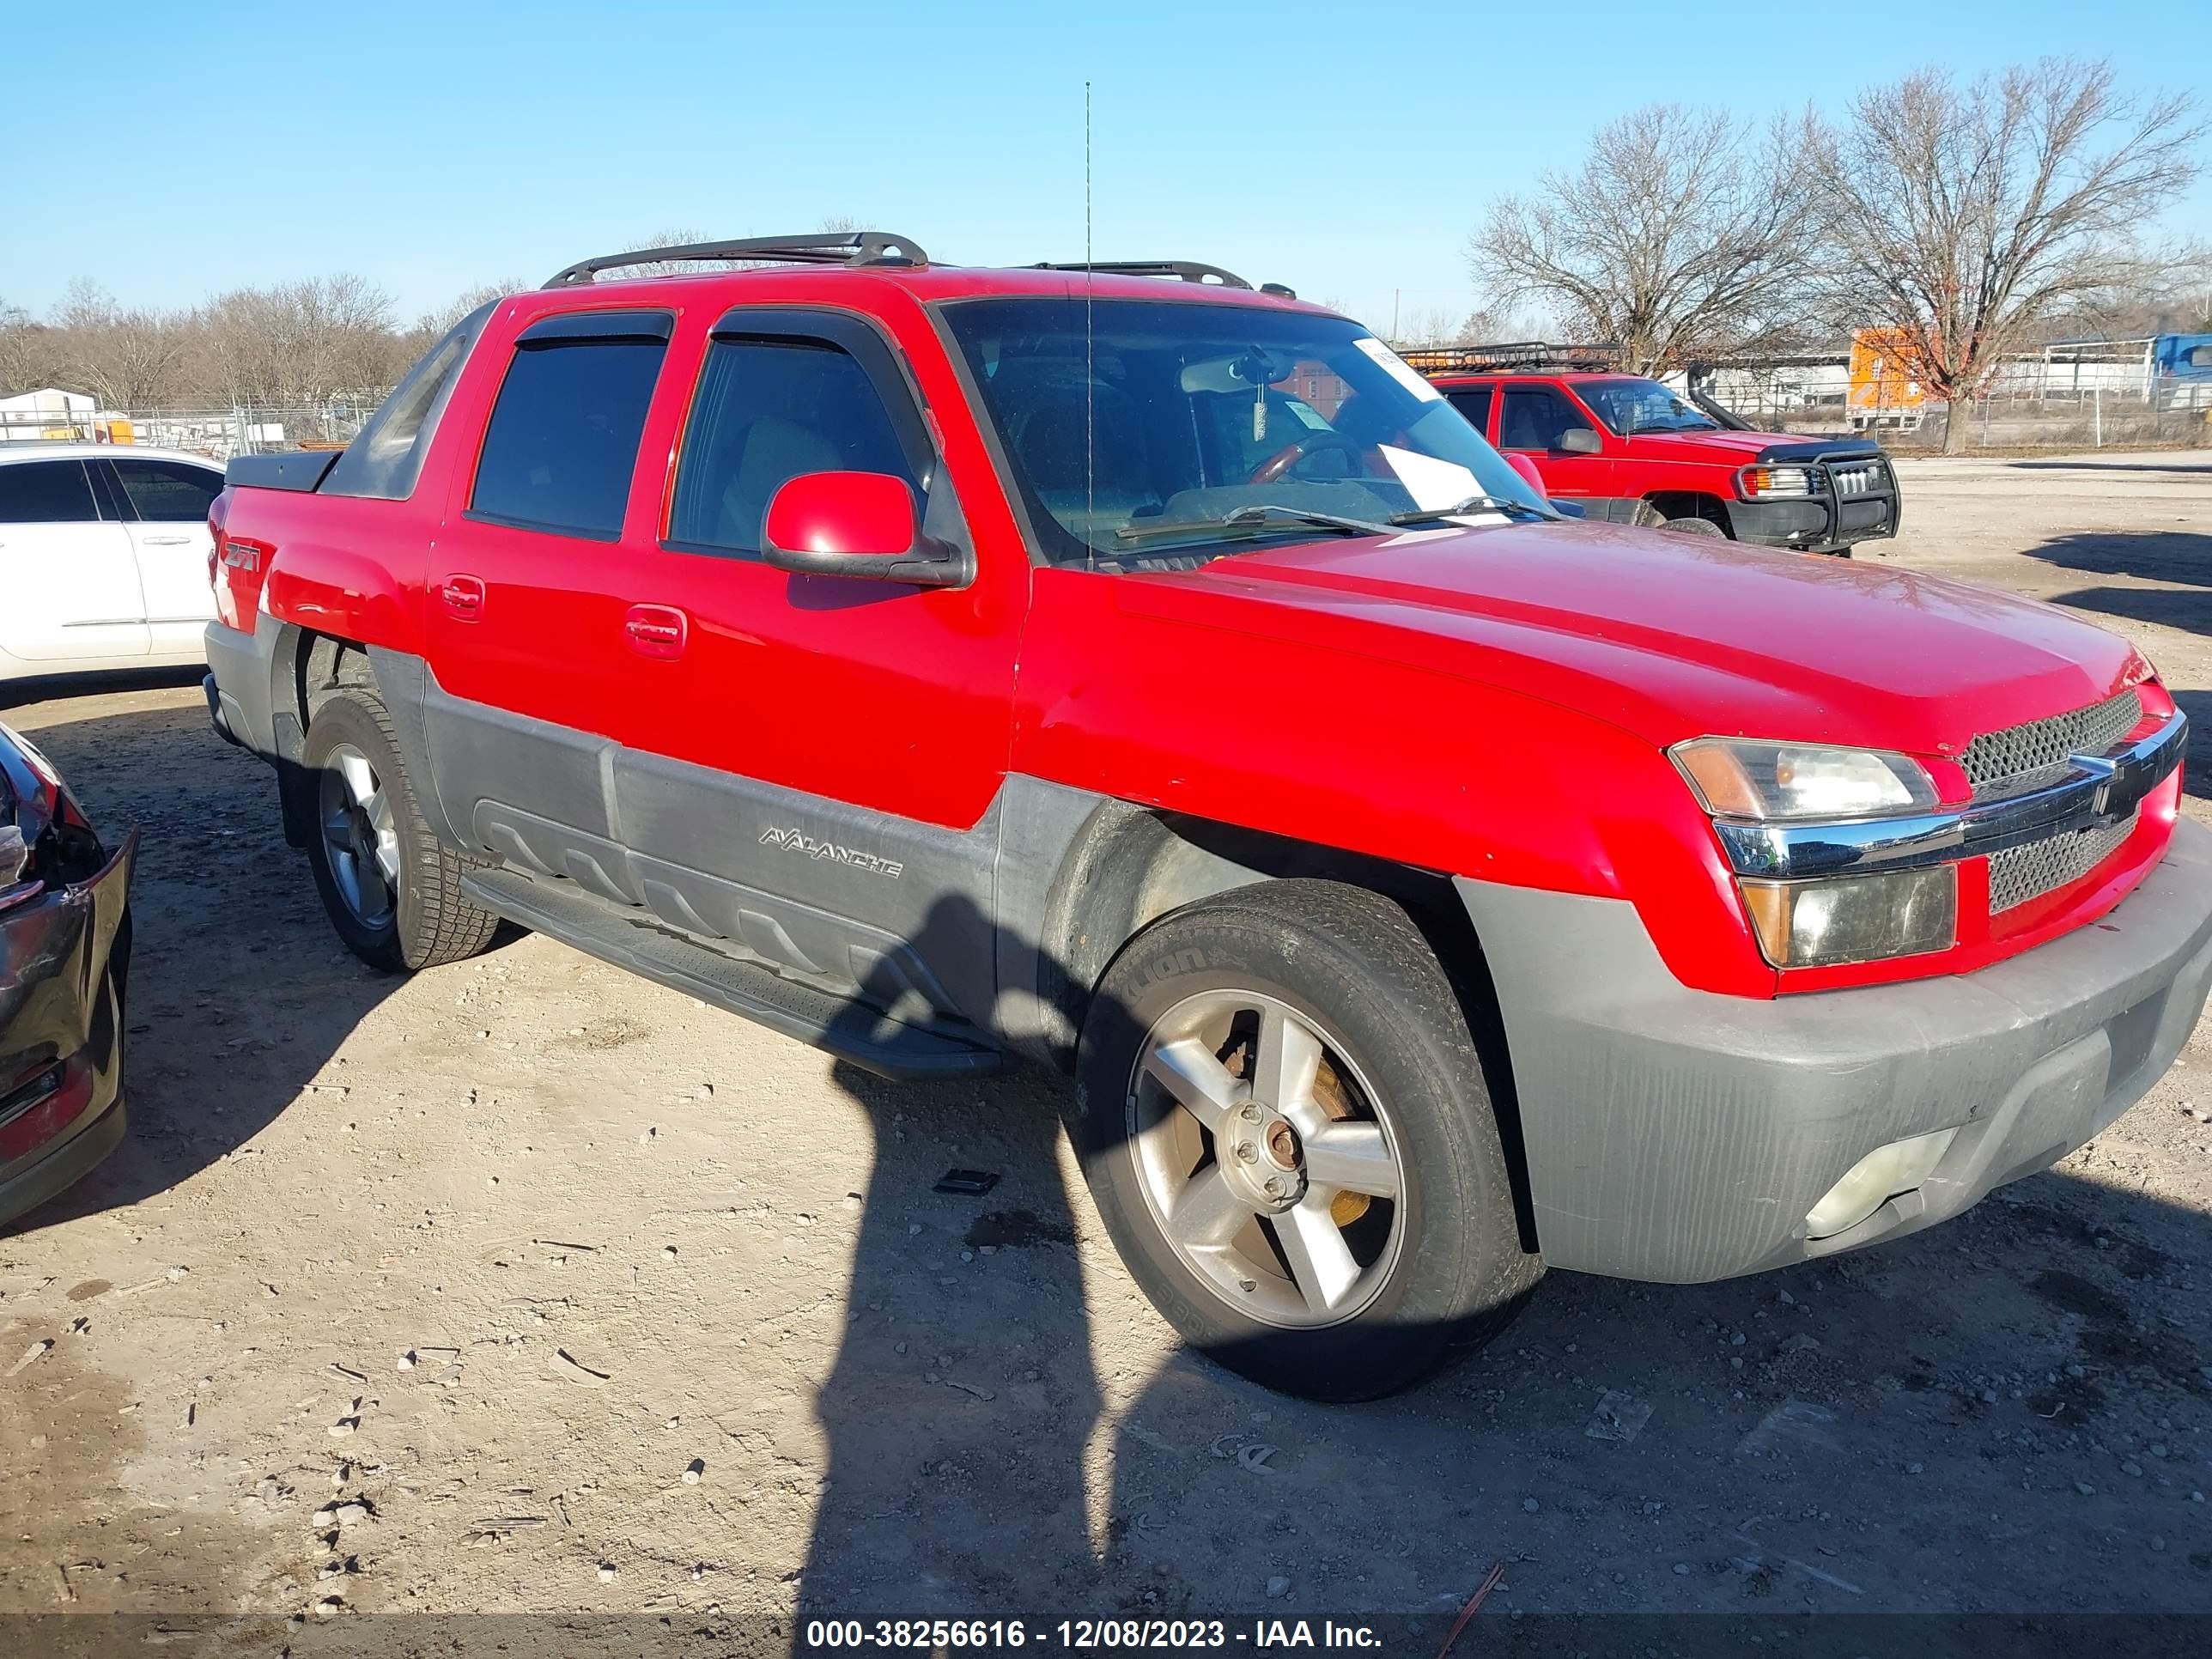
point(525, 1284)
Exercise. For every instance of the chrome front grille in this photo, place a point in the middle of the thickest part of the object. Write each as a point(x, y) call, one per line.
point(2024, 757)
point(1855, 478)
point(2021, 874)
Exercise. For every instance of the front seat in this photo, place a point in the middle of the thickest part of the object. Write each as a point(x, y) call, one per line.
point(776, 451)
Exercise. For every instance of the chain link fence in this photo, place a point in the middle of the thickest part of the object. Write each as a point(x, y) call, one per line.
point(218, 434)
point(2020, 409)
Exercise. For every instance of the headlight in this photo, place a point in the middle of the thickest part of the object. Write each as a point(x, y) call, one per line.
point(1775, 482)
point(1807, 924)
point(1739, 779)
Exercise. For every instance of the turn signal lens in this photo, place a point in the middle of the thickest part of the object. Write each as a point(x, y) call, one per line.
point(1741, 779)
point(1811, 924)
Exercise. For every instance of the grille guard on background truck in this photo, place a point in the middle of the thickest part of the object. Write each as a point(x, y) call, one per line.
point(1823, 464)
point(2102, 790)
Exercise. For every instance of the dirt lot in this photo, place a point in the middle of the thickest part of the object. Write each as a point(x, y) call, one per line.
point(497, 1253)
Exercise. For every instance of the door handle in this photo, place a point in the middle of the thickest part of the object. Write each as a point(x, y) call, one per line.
point(657, 631)
point(463, 596)
point(164, 541)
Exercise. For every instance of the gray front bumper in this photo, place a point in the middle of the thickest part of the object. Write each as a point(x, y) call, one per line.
point(1677, 1135)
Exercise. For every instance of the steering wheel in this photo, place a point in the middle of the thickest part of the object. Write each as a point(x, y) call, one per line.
point(1283, 460)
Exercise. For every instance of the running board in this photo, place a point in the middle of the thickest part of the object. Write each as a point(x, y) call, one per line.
point(635, 939)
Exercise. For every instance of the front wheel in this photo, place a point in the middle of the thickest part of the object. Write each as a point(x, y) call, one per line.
point(391, 889)
point(1288, 1133)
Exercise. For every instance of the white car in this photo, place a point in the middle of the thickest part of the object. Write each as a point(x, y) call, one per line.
point(103, 557)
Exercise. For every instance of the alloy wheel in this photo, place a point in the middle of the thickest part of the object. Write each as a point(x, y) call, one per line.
point(359, 837)
point(1267, 1160)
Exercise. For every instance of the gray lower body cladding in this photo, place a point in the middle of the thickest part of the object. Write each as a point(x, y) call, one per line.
point(1677, 1135)
point(943, 926)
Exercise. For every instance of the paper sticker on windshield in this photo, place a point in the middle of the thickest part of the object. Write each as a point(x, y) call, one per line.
point(1399, 370)
point(1434, 484)
point(1307, 415)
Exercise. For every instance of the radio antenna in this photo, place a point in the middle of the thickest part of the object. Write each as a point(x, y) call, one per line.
point(1090, 353)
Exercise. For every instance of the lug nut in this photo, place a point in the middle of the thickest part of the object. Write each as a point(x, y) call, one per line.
point(1246, 1152)
point(1275, 1187)
point(1249, 1111)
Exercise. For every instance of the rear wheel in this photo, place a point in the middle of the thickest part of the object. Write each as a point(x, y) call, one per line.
point(391, 889)
point(1288, 1135)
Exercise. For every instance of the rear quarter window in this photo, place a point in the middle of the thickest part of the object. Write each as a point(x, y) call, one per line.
point(168, 492)
point(386, 456)
point(562, 442)
point(46, 492)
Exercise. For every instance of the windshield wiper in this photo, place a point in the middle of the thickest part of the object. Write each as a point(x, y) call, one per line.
point(1476, 504)
point(1254, 517)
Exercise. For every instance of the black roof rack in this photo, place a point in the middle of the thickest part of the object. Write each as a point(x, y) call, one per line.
point(1188, 270)
point(856, 247)
point(1516, 354)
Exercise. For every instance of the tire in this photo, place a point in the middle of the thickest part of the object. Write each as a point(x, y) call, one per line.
point(1695, 527)
point(1437, 1267)
point(420, 920)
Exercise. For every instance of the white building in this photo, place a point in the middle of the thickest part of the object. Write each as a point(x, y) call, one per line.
point(48, 412)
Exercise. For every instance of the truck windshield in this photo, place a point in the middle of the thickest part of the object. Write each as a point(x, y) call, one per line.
point(1169, 427)
point(1628, 406)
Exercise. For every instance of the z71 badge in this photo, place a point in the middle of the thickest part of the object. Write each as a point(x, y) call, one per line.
point(798, 841)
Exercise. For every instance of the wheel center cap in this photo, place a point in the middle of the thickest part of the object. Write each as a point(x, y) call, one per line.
point(1258, 1157)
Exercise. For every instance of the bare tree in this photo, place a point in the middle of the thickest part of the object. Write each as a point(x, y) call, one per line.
point(835, 225)
point(1970, 215)
point(1494, 321)
point(1676, 235)
point(431, 326)
point(126, 359)
point(2168, 291)
point(30, 355)
point(1429, 326)
point(298, 344)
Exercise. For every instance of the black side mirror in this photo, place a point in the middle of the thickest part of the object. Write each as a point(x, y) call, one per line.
point(1579, 440)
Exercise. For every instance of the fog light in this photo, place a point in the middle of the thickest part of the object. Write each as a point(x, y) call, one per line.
point(1874, 1179)
point(1804, 924)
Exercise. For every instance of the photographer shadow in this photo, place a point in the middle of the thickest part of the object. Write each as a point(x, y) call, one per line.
point(962, 1406)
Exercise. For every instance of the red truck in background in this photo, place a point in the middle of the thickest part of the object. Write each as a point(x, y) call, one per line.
point(1633, 451)
point(1160, 680)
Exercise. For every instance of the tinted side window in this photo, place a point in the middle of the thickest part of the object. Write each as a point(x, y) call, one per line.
point(1534, 416)
point(1473, 402)
point(562, 440)
point(46, 492)
point(168, 492)
point(767, 411)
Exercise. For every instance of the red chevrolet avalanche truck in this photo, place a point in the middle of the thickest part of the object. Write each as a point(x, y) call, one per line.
point(1160, 680)
point(1632, 451)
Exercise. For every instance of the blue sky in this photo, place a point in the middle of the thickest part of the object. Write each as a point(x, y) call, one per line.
point(1345, 148)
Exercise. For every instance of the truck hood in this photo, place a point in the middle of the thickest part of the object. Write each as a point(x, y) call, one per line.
point(1673, 636)
point(1740, 449)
